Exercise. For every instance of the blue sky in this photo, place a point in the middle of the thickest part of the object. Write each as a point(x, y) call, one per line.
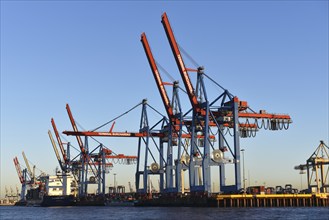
point(273, 54)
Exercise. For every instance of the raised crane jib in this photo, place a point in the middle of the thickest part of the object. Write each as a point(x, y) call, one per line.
point(83, 151)
point(157, 77)
point(19, 171)
point(180, 63)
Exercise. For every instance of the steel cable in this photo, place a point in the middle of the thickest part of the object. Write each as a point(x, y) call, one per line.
point(188, 56)
point(165, 71)
point(118, 117)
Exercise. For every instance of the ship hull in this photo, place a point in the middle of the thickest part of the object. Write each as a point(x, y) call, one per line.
point(58, 201)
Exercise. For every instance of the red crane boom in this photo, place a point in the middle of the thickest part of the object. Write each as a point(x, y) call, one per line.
point(83, 150)
point(180, 63)
point(157, 77)
point(18, 169)
point(124, 134)
point(188, 85)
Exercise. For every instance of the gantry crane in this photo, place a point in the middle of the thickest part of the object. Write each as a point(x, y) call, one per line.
point(200, 121)
point(317, 167)
point(204, 116)
point(224, 112)
point(175, 118)
point(95, 161)
point(84, 159)
point(175, 127)
point(145, 136)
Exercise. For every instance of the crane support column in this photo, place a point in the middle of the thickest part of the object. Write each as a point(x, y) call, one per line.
point(236, 135)
point(206, 153)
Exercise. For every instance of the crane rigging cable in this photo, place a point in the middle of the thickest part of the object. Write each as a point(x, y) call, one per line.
point(117, 117)
point(165, 71)
point(80, 126)
point(197, 66)
point(63, 137)
point(188, 56)
point(33, 165)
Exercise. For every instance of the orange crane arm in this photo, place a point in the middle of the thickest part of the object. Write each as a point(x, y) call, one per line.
point(110, 134)
point(263, 115)
point(243, 105)
point(124, 134)
point(60, 143)
point(157, 77)
point(92, 163)
point(180, 63)
point(18, 169)
point(83, 151)
point(120, 156)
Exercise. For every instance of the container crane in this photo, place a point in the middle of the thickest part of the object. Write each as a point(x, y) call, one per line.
point(85, 158)
point(200, 105)
point(204, 116)
point(144, 134)
point(176, 119)
point(175, 125)
point(317, 167)
point(99, 163)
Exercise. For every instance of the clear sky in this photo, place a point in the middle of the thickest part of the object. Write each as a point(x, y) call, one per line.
point(273, 54)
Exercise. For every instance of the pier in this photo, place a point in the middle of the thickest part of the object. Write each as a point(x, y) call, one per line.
point(273, 200)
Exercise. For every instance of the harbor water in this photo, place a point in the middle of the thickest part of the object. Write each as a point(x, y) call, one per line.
point(181, 213)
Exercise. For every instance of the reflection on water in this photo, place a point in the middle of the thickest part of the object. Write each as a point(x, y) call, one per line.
point(181, 213)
